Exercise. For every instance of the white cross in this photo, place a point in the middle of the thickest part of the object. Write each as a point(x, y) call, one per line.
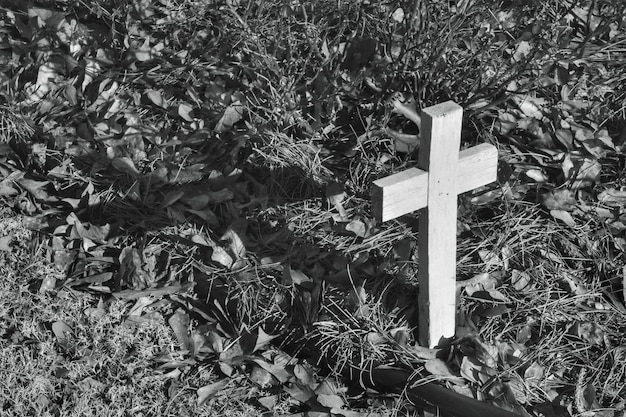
point(442, 174)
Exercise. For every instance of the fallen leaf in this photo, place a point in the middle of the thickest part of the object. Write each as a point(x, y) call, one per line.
point(476, 372)
point(518, 390)
point(439, 369)
point(536, 175)
point(48, 17)
point(490, 258)
point(505, 123)
point(145, 52)
point(359, 228)
point(590, 332)
point(398, 15)
point(276, 369)
point(196, 201)
point(295, 276)
point(407, 107)
point(227, 369)
point(360, 51)
point(613, 197)
point(126, 165)
point(207, 392)
point(7, 189)
point(172, 197)
point(580, 172)
point(180, 324)
point(140, 304)
point(375, 338)
point(534, 373)
point(131, 271)
point(335, 195)
point(35, 188)
point(496, 311)
point(222, 257)
point(299, 393)
point(330, 400)
point(268, 402)
point(5, 243)
point(586, 399)
point(565, 137)
point(559, 199)
point(235, 243)
point(61, 330)
point(497, 295)
point(262, 377)
point(422, 352)
point(349, 413)
point(232, 115)
point(564, 216)
point(305, 374)
point(156, 98)
point(522, 52)
point(263, 339)
point(47, 284)
point(153, 292)
point(183, 111)
point(524, 334)
point(521, 281)
point(99, 278)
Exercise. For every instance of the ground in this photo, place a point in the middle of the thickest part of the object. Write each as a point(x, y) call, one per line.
point(185, 207)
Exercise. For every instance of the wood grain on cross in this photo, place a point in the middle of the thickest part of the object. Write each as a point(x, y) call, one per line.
point(433, 186)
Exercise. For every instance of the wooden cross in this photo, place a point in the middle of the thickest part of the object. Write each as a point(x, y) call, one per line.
point(442, 174)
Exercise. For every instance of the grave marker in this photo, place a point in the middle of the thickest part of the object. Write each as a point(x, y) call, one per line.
point(433, 186)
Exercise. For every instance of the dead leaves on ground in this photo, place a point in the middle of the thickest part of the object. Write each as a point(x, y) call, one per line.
point(118, 156)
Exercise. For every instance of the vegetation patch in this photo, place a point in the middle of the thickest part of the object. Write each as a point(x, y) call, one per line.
point(185, 216)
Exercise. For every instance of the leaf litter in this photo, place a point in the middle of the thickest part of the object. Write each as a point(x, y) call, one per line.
point(227, 196)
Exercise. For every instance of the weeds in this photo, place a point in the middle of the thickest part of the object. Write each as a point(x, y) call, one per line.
point(186, 222)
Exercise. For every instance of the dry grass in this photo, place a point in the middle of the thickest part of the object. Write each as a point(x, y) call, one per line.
point(13, 126)
point(108, 365)
point(541, 314)
point(557, 309)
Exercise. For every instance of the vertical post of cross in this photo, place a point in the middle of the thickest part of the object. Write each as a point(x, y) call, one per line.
point(441, 139)
point(442, 174)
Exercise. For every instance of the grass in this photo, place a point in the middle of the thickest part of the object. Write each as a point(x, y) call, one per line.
point(200, 241)
point(108, 363)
